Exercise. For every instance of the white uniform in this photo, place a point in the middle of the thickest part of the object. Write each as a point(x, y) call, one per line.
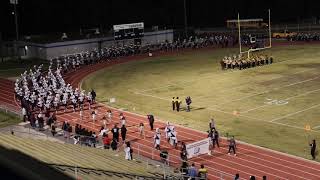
point(127, 152)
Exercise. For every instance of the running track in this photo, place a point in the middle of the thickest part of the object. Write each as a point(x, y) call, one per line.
point(250, 160)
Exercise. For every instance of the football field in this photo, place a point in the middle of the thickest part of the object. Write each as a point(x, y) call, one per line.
point(269, 105)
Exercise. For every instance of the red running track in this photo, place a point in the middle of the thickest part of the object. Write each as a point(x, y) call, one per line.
point(250, 160)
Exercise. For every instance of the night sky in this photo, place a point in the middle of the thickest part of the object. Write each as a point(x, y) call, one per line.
point(46, 16)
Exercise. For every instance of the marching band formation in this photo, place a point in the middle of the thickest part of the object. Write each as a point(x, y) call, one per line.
point(240, 62)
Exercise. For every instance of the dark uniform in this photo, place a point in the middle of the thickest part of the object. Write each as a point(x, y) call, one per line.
point(313, 149)
point(188, 102)
point(151, 121)
point(178, 102)
point(173, 103)
point(232, 146)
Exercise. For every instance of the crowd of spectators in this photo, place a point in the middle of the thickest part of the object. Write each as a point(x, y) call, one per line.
point(314, 36)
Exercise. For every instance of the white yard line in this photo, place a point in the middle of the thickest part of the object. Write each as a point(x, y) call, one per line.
point(297, 112)
point(229, 113)
point(264, 92)
point(316, 127)
point(300, 94)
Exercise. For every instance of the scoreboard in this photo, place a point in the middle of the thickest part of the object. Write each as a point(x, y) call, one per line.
point(128, 31)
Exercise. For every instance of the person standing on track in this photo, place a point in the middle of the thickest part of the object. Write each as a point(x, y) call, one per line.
point(141, 130)
point(115, 132)
point(151, 121)
point(157, 139)
point(94, 95)
point(123, 132)
point(313, 149)
point(216, 137)
point(232, 146)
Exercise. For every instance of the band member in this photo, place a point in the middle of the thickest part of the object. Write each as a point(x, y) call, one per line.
point(167, 130)
point(173, 137)
point(173, 103)
point(157, 139)
point(313, 149)
point(178, 102)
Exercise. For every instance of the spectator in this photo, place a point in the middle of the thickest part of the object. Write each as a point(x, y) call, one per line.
point(141, 130)
point(24, 114)
point(123, 132)
point(184, 168)
point(115, 132)
point(313, 149)
point(127, 150)
point(94, 95)
point(94, 115)
point(164, 156)
point(188, 102)
point(53, 129)
point(151, 121)
point(106, 141)
point(212, 124)
point(232, 146)
point(93, 139)
point(216, 137)
point(65, 128)
point(252, 178)
point(237, 177)
point(203, 173)
point(114, 144)
point(192, 172)
point(264, 177)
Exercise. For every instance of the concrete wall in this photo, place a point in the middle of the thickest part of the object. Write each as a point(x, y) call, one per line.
point(48, 51)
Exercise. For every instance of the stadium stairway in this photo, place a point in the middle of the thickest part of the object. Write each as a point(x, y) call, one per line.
point(91, 163)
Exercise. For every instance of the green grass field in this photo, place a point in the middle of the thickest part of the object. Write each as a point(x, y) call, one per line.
point(7, 119)
point(274, 102)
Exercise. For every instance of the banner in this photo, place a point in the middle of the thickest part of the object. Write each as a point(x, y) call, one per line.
point(128, 26)
point(198, 148)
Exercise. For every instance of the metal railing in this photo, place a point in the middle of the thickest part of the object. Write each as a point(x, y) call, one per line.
point(142, 152)
point(8, 108)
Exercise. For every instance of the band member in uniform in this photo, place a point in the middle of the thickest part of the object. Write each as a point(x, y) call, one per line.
point(313, 149)
point(173, 103)
point(178, 102)
point(157, 139)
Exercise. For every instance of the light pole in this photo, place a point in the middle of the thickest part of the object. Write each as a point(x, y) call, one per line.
point(185, 18)
point(15, 2)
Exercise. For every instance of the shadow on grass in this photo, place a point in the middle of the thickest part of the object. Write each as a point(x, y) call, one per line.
point(17, 165)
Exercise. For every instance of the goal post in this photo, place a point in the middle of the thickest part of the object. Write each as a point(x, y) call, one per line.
point(253, 39)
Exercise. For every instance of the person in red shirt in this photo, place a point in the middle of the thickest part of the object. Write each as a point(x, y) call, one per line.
point(106, 141)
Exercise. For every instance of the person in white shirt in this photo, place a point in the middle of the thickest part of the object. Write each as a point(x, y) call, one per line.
point(94, 115)
point(141, 130)
point(167, 131)
point(157, 139)
point(81, 113)
point(173, 138)
point(24, 114)
point(109, 115)
point(128, 152)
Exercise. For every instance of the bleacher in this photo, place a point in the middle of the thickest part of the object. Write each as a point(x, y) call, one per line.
point(81, 162)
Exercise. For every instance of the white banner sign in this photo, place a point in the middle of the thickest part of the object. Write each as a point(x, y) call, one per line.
point(128, 26)
point(198, 148)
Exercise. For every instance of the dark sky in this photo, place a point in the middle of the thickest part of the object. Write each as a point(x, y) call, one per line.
point(45, 16)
